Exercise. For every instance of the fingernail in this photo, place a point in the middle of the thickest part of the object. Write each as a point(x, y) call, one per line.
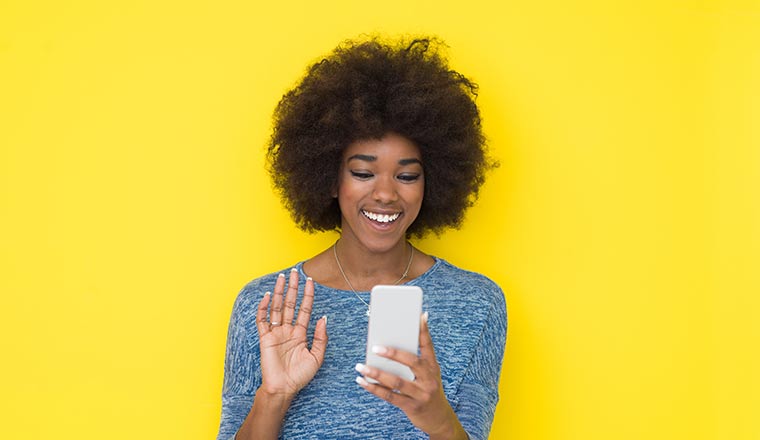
point(360, 368)
point(294, 270)
point(267, 293)
point(425, 316)
point(325, 318)
point(361, 381)
point(379, 349)
point(282, 275)
point(309, 279)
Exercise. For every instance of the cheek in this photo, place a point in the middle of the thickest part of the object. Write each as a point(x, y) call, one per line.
point(344, 190)
point(348, 192)
point(415, 195)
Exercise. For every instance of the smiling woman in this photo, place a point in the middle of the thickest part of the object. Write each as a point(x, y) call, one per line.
point(381, 142)
point(380, 189)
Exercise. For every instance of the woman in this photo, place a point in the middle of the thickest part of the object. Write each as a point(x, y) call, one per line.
point(380, 142)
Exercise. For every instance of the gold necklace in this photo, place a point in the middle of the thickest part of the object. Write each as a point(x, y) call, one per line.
point(342, 272)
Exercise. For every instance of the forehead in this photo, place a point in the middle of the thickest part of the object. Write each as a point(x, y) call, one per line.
point(392, 146)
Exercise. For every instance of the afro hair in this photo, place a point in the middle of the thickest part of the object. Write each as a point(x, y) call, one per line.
point(365, 90)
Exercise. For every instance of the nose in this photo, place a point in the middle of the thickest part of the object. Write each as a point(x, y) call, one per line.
point(384, 190)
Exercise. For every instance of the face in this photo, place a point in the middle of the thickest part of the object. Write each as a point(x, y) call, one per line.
point(380, 189)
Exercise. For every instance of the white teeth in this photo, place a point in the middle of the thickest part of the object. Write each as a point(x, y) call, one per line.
point(382, 218)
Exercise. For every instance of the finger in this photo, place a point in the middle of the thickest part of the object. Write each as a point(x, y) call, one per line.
point(398, 399)
point(390, 381)
point(261, 314)
point(319, 344)
point(427, 351)
point(290, 298)
point(411, 360)
point(275, 312)
point(304, 310)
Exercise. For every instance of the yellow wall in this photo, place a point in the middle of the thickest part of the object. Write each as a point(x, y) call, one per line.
point(624, 223)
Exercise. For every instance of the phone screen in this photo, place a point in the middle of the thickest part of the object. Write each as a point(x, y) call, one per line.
point(394, 321)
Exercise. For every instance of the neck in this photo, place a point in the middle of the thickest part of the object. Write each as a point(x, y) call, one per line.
point(365, 268)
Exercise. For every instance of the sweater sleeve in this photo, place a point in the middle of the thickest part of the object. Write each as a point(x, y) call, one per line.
point(478, 393)
point(242, 376)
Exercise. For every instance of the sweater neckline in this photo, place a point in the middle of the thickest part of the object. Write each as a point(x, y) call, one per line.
point(438, 262)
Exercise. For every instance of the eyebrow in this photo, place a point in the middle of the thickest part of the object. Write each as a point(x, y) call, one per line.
point(369, 158)
point(409, 161)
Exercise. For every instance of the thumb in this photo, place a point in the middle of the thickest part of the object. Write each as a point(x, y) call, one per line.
point(319, 344)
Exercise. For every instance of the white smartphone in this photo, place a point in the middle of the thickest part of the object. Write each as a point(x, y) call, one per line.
point(394, 321)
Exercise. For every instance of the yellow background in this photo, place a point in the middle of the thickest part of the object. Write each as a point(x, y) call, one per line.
point(624, 223)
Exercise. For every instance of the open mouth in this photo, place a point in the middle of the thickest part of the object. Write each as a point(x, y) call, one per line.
point(381, 218)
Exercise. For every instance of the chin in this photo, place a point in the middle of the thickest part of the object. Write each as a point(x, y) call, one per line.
point(374, 241)
point(381, 245)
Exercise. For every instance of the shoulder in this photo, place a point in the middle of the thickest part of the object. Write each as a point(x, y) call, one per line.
point(475, 286)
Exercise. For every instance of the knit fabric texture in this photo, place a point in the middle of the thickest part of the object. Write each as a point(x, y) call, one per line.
point(468, 325)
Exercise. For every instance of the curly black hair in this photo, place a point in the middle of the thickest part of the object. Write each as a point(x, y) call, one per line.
point(365, 90)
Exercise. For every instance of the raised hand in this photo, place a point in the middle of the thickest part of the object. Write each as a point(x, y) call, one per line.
point(287, 363)
point(422, 399)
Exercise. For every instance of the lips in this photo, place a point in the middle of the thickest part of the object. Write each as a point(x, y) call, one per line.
point(381, 217)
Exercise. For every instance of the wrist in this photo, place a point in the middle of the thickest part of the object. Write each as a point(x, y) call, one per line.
point(273, 399)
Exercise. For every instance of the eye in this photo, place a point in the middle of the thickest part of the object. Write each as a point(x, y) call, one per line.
point(408, 177)
point(361, 175)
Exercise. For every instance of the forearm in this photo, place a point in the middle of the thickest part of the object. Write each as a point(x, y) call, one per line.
point(451, 430)
point(264, 421)
point(455, 433)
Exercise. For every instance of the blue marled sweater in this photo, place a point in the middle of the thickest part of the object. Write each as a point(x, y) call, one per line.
point(468, 325)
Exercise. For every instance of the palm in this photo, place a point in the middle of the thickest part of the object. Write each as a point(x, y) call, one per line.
point(287, 365)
